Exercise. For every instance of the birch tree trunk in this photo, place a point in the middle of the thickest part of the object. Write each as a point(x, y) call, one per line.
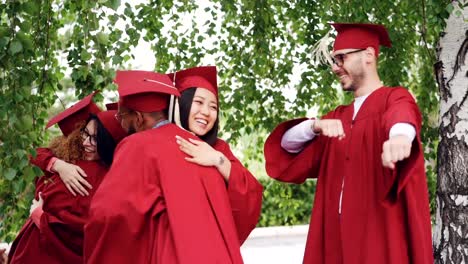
point(451, 229)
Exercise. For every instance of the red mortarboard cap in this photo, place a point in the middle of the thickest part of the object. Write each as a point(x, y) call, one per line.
point(201, 77)
point(360, 36)
point(112, 106)
point(111, 124)
point(76, 113)
point(171, 77)
point(144, 91)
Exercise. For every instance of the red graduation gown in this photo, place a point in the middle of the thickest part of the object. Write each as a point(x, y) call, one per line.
point(42, 159)
point(385, 214)
point(155, 207)
point(245, 193)
point(59, 237)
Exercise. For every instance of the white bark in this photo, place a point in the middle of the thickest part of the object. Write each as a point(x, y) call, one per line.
point(451, 229)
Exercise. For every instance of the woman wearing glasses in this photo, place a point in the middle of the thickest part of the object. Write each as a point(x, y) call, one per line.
point(54, 231)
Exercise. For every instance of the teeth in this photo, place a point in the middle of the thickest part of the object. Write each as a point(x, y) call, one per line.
point(201, 121)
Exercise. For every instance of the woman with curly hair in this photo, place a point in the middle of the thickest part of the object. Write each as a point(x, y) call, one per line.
point(54, 231)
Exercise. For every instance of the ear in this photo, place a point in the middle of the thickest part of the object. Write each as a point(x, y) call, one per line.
point(139, 119)
point(370, 55)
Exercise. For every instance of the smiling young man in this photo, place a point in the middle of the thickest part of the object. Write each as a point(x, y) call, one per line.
point(154, 206)
point(371, 203)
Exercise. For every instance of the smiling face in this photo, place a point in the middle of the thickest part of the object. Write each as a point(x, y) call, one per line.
point(89, 137)
point(203, 112)
point(351, 71)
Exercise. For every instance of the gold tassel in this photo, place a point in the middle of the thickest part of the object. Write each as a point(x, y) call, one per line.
point(321, 50)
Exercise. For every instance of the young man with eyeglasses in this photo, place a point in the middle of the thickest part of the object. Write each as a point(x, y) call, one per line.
point(153, 205)
point(371, 203)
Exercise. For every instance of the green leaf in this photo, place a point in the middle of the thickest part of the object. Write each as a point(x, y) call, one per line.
point(33, 153)
point(111, 87)
point(114, 4)
point(85, 56)
point(102, 38)
point(98, 79)
point(4, 31)
point(3, 42)
point(29, 173)
point(25, 26)
point(10, 174)
point(128, 11)
point(37, 171)
point(116, 60)
point(26, 122)
point(25, 41)
point(15, 47)
point(31, 7)
point(449, 8)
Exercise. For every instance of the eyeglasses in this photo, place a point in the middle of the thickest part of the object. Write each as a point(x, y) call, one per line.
point(85, 135)
point(118, 116)
point(338, 59)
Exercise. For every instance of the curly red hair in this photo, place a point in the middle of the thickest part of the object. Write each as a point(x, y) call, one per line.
point(69, 149)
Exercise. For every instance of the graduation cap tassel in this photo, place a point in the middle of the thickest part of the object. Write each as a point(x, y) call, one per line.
point(172, 104)
point(177, 113)
point(171, 109)
point(321, 52)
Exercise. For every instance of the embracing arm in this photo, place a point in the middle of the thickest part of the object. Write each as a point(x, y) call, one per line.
point(203, 154)
point(71, 174)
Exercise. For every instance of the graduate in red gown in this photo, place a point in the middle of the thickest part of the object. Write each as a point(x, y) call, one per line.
point(54, 232)
point(199, 110)
point(68, 148)
point(371, 203)
point(154, 206)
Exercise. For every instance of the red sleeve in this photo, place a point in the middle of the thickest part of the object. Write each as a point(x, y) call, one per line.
point(64, 216)
point(245, 194)
point(402, 108)
point(44, 155)
point(64, 233)
point(292, 167)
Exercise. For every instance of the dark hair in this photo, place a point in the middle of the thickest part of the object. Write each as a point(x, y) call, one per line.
point(105, 143)
point(185, 104)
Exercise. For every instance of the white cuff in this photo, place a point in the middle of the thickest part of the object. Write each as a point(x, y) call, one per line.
point(403, 129)
point(296, 137)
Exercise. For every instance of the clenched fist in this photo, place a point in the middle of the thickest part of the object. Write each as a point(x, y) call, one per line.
point(395, 149)
point(329, 128)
